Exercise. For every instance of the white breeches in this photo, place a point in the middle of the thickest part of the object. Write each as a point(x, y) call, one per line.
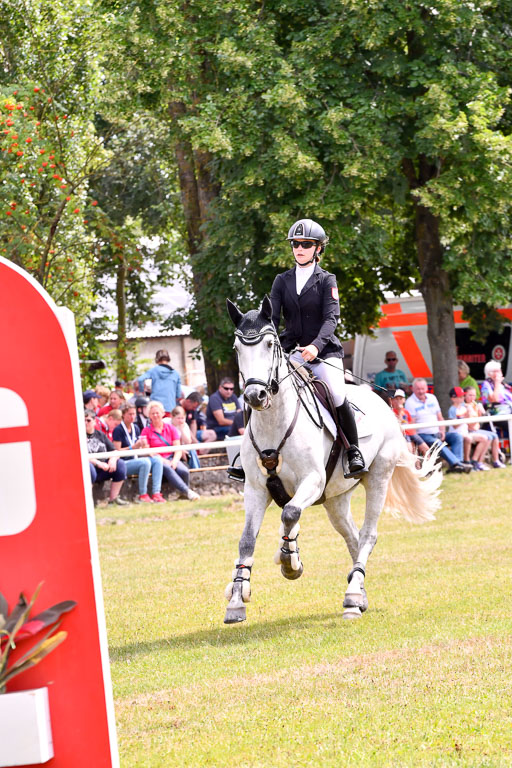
point(331, 372)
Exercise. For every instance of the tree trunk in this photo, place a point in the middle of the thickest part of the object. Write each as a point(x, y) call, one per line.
point(198, 190)
point(435, 289)
point(121, 348)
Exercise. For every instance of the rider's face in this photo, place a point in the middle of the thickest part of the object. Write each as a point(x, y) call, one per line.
point(303, 255)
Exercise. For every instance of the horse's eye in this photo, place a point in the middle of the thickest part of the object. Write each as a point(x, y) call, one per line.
point(269, 344)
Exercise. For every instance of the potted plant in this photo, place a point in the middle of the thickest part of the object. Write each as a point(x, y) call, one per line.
point(25, 730)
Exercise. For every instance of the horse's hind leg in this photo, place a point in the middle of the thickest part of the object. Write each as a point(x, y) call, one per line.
point(238, 591)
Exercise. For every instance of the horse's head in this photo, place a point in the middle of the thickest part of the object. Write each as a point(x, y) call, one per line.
point(259, 353)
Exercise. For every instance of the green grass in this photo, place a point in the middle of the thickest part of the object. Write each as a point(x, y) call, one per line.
point(423, 679)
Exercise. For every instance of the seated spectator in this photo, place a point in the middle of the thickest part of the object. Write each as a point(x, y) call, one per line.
point(109, 422)
point(91, 400)
point(477, 409)
point(160, 433)
point(391, 378)
point(459, 410)
point(165, 381)
point(141, 406)
point(135, 391)
point(414, 441)
point(196, 420)
point(103, 395)
point(179, 420)
point(238, 425)
point(496, 394)
point(424, 408)
point(127, 435)
point(115, 400)
point(113, 469)
point(465, 380)
point(221, 409)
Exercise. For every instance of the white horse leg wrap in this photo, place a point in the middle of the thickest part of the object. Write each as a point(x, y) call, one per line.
point(241, 574)
point(289, 544)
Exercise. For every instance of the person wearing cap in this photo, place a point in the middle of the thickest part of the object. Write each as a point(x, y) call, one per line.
point(391, 378)
point(414, 441)
point(307, 297)
point(459, 410)
point(424, 409)
point(91, 400)
point(141, 406)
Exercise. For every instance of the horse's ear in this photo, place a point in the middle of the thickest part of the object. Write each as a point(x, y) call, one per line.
point(234, 313)
point(266, 308)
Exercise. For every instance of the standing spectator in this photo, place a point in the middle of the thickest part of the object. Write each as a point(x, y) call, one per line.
point(113, 469)
point(391, 378)
point(109, 422)
point(459, 410)
point(424, 408)
point(465, 380)
point(115, 400)
point(127, 435)
point(196, 420)
point(222, 406)
point(404, 417)
point(165, 381)
point(477, 409)
point(161, 433)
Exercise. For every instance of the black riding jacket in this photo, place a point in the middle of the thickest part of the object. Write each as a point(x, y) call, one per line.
point(311, 317)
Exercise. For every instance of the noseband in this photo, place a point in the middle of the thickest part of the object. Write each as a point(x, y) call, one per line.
point(251, 337)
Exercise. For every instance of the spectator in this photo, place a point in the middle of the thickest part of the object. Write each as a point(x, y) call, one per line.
point(109, 422)
point(404, 417)
point(424, 408)
point(115, 400)
point(103, 395)
point(477, 409)
point(465, 380)
point(496, 394)
point(160, 433)
point(165, 381)
point(221, 409)
point(127, 435)
point(141, 406)
point(196, 420)
point(179, 420)
point(238, 425)
point(391, 378)
point(136, 391)
point(113, 469)
point(91, 400)
point(459, 410)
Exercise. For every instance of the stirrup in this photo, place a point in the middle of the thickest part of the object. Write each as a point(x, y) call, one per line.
point(236, 473)
point(355, 462)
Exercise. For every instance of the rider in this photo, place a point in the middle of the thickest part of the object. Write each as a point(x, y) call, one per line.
point(308, 297)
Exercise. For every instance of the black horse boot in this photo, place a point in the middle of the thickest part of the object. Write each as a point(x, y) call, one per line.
point(348, 423)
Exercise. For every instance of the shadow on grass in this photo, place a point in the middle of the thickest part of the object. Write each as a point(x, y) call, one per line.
point(224, 635)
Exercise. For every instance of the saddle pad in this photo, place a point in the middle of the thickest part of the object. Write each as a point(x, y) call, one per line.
point(364, 427)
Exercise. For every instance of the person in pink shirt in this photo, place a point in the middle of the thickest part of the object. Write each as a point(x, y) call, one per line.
point(160, 433)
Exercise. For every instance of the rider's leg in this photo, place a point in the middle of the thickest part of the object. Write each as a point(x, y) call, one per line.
point(332, 373)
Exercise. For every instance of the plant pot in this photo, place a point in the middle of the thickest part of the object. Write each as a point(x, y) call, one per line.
point(25, 728)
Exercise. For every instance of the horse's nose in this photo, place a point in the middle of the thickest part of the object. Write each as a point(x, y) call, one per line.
point(255, 396)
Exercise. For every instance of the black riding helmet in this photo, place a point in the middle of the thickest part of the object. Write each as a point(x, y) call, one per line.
point(141, 401)
point(310, 230)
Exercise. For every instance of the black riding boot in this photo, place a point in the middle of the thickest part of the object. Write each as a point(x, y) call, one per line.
point(236, 472)
point(348, 423)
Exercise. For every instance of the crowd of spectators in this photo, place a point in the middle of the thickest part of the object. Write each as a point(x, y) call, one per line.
point(466, 445)
point(153, 412)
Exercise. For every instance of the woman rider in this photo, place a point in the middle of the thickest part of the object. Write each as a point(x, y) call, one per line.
point(308, 298)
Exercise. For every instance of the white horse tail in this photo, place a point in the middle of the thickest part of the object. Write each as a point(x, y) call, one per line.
point(414, 493)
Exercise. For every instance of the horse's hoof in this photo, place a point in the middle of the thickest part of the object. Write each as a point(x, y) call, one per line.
point(291, 574)
point(356, 600)
point(235, 615)
point(352, 613)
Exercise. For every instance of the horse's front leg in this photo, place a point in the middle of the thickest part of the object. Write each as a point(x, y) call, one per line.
point(238, 591)
point(287, 556)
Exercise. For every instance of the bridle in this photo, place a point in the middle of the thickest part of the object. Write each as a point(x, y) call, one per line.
point(250, 338)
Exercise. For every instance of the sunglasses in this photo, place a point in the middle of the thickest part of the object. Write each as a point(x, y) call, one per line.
point(306, 244)
point(228, 389)
point(89, 420)
point(390, 359)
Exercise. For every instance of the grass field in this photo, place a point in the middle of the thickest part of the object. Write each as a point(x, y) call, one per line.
point(423, 679)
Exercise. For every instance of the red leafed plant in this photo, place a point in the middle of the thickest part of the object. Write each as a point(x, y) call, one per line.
point(17, 626)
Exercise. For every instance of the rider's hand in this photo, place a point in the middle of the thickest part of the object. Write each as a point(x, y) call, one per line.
point(309, 353)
